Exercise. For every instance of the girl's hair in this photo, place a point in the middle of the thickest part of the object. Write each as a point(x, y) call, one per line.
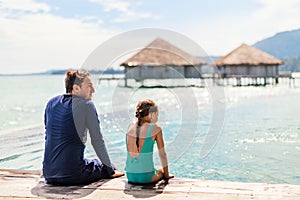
point(74, 77)
point(143, 109)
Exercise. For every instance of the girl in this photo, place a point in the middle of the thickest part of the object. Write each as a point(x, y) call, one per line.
point(140, 140)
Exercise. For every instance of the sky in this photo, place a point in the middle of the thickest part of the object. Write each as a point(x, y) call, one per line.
point(39, 35)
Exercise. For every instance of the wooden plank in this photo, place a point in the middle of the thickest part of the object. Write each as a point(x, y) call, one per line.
point(19, 184)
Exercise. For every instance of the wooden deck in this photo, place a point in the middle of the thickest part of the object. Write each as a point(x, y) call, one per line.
point(18, 184)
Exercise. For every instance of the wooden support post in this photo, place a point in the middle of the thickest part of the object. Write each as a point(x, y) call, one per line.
point(238, 82)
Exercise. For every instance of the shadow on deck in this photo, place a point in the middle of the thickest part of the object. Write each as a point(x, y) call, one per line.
point(20, 184)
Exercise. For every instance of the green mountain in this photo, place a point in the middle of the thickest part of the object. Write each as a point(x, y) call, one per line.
point(285, 46)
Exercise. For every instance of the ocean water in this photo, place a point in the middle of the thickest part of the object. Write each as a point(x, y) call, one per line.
point(248, 134)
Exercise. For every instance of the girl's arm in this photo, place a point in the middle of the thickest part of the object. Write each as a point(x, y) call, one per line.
point(161, 151)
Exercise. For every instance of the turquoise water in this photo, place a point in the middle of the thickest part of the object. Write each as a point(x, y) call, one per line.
point(259, 141)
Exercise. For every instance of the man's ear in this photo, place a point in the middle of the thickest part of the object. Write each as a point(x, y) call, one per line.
point(76, 88)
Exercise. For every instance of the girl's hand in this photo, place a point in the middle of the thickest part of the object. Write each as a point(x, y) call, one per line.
point(168, 177)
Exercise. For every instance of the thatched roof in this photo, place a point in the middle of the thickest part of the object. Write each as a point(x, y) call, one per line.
point(247, 55)
point(160, 52)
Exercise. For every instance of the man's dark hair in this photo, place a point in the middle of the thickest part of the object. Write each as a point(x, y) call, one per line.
point(74, 77)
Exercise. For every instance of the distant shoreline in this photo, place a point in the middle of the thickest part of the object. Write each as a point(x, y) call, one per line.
point(62, 72)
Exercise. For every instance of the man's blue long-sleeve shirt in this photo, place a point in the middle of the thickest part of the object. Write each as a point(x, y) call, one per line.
point(67, 119)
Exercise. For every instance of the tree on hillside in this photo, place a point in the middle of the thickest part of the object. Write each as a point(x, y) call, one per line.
point(291, 64)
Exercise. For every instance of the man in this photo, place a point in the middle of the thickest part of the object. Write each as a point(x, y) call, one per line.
point(67, 119)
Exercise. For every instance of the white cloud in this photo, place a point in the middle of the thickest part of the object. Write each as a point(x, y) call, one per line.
point(278, 8)
point(134, 16)
point(33, 39)
point(126, 10)
point(24, 5)
point(41, 41)
point(278, 15)
point(220, 36)
point(111, 5)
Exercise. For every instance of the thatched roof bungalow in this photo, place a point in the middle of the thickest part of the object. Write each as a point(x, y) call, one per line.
point(248, 61)
point(162, 60)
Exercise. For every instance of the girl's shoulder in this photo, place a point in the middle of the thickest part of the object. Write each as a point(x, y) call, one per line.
point(156, 129)
point(155, 125)
point(131, 127)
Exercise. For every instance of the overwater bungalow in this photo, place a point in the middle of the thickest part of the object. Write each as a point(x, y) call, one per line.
point(162, 60)
point(250, 63)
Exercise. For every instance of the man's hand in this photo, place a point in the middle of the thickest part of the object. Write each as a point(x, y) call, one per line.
point(117, 174)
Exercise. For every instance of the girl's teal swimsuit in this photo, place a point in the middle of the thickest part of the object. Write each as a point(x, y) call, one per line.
point(141, 169)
